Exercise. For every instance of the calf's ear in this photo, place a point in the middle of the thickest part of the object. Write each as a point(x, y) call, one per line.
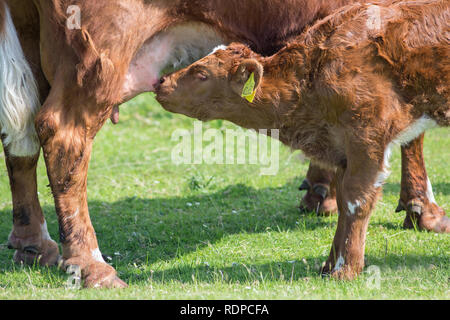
point(247, 78)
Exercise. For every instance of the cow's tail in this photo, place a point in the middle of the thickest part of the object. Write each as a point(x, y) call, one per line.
point(19, 97)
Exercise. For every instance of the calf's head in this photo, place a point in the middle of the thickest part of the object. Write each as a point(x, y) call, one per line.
point(212, 88)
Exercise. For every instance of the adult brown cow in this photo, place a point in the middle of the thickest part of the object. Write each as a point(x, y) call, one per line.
point(88, 57)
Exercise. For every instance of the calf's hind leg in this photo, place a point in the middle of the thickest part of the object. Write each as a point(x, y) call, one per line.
point(320, 189)
point(416, 196)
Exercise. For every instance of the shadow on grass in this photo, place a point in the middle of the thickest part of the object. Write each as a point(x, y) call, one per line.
point(284, 271)
point(160, 229)
point(136, 231)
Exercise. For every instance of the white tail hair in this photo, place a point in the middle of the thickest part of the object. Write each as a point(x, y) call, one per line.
point(19, 97)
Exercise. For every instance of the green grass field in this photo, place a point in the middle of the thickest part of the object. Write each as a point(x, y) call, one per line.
point(224, 231)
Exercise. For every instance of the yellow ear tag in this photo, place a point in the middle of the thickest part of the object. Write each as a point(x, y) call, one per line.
point(249, 91)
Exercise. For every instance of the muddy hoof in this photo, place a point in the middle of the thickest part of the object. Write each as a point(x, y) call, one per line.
point(46, 255)
point(96, 274)
point(343, 273)
point(305, 186)
point(113, 282)
point(317, 199)
point(400, 207)
point(426, 216)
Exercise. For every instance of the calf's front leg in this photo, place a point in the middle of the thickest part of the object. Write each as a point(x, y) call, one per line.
point(416, 196)
point(357, 191)
point(66, 136)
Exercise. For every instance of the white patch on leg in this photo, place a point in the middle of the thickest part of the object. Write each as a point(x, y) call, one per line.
point(19, 99)
point(404, 137)
point(97, 255)
point(74, 215)
point(430, 195)
point(353, 206)
point(44, 231)
point(339, 263)
point(385, 172)
point(374, 17)
point(381, 177)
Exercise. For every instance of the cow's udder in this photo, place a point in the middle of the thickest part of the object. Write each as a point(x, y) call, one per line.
point(168, 51)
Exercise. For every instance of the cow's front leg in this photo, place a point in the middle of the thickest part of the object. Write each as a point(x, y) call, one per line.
point(320, 189)
point(66, 136)
point(357, 191)
point(29, 236)
point(416, 196)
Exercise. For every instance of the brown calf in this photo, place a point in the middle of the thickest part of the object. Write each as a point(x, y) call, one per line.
point(84, 72)
point(354, 85)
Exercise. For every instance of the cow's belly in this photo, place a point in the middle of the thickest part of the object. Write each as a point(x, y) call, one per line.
point(170, 50)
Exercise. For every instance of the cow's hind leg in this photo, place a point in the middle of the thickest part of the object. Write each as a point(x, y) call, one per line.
point(66, 129)
point(320, 189)
point(416, 196)
point(29, 236)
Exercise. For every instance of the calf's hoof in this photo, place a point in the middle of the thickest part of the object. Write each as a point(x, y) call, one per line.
point(95, 274)
point(425, 216)
point(317, 199)
point(344, 272)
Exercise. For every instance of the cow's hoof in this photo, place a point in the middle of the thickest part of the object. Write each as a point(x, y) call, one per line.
point(33, 249)
point(317, 199)
point(104, 279)
point(425, 216)
point(96, 274)
point(344, 272)
point(44, 252)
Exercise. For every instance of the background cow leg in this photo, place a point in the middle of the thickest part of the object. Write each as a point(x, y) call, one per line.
point(29, 235)
point(66, 135)
point(356, 198)
point(320, 189)
point(416, 196)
